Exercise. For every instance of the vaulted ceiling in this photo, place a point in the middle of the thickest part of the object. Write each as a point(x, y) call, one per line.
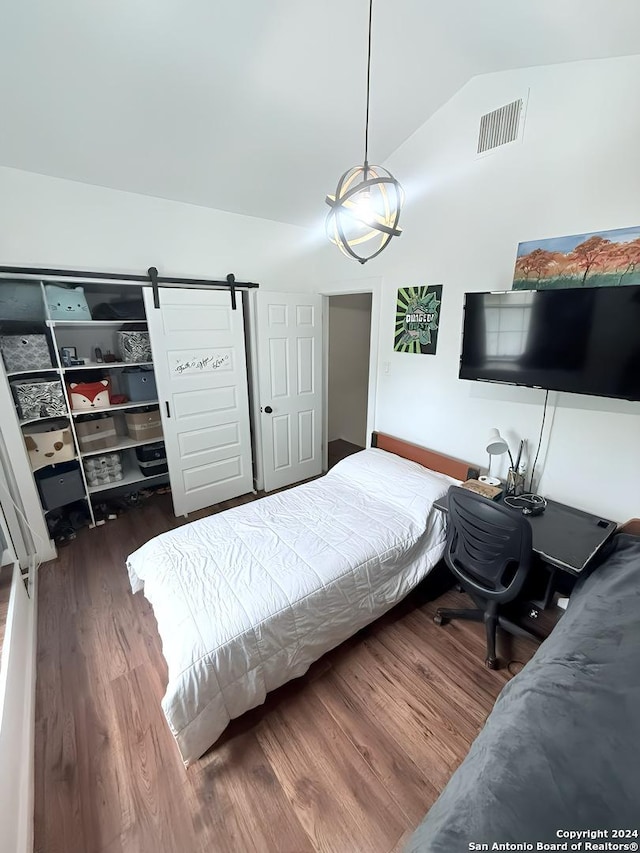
point(257, 106)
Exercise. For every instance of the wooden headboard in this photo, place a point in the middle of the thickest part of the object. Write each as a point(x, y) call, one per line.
point(632, 526)
point(428, 458)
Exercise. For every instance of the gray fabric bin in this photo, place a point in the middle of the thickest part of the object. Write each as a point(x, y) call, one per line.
point(139, 384)
point(25, 352)
point(60, 486)
point(22, 301)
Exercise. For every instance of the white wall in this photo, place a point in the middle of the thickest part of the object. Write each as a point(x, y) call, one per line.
point(577, 170)
point(52, 222)
point(349, 333)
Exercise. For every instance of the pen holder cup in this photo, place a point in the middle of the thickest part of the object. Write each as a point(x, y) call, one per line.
point(515, 483)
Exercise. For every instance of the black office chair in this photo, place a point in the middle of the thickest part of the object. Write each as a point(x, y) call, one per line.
point(489, 551)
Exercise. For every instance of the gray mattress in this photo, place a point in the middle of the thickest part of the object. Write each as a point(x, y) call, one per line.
point(561, 748)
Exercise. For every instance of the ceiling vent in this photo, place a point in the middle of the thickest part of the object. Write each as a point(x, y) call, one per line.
point(501, 126)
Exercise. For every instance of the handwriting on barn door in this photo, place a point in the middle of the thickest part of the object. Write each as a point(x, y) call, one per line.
point(200, 363)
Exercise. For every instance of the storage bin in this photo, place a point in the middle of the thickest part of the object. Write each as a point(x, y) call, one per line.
point(66, 303)
point(126, 309)
point(152, 459)
point(25, 352)
point(60, 485)
point(104, 469)
point(144, 424)
point(39, 399)
point(90, 395)
point(49, 444)
point(22, 301)
point(139, 384)
point(134, 346)
point(97, 433)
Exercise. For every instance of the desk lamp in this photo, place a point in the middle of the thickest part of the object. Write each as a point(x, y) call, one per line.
point(496, 446)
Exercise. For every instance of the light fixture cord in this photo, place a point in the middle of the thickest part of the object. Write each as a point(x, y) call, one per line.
point(366, 124)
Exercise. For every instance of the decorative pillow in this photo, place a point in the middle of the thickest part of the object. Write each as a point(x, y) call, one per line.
point(66, 303)
point(89, 395)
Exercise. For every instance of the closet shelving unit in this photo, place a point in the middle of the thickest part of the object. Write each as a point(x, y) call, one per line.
point(85, 335)
point(60, 331)
point(93, 333)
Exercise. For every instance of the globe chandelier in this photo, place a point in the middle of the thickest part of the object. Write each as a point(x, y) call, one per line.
point(366, 207)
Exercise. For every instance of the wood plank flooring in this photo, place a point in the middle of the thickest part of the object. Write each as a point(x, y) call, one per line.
point(347, 759)
point(340, 449)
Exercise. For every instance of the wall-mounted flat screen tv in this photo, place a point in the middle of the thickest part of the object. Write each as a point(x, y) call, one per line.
point(582, 340)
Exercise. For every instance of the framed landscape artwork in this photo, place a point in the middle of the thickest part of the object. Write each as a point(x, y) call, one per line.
point(598, 259)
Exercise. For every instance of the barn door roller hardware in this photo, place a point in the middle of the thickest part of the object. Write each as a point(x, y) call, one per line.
point(157, 281)
point(161, 281)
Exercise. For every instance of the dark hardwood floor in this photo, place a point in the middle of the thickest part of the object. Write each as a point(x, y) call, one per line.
point(347, 759)
point(340, 449)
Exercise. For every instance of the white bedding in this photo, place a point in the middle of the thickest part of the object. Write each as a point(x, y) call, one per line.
point(247, 599)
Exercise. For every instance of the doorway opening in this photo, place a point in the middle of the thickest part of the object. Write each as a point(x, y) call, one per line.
point(349, 338)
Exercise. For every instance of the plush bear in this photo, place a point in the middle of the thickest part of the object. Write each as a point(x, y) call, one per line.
point(66, 303)
point(89, 395)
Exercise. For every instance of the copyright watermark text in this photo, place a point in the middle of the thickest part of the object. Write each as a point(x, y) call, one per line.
point(583, 840)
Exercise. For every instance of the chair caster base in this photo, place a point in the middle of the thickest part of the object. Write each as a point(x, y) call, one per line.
point(440, 620)
point(492, 663)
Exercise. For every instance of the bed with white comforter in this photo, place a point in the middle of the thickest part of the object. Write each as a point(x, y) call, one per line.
point(249, 598)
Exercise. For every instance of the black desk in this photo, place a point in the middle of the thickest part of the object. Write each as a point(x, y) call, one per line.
point(565, 539)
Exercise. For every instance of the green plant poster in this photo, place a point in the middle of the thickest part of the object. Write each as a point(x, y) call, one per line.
point(417, 319)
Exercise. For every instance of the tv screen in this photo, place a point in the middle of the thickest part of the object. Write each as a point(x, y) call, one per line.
point(583, 340)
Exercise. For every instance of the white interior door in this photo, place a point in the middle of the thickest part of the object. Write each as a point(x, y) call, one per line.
point(201, 374)
point(289, 343)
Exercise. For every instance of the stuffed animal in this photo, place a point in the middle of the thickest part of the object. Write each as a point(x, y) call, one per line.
point(89, 395)
point(66, 303)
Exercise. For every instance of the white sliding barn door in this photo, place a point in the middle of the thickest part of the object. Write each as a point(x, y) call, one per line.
point(201, 373)
point(289, 344)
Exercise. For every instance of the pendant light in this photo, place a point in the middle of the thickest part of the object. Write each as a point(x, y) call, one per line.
point(366, 207)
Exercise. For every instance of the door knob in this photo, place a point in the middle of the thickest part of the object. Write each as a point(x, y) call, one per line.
point(268, 409)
